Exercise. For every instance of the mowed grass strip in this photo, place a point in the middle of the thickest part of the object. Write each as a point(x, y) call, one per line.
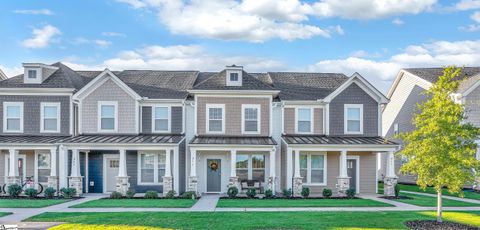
point(431, 190)
point(428, 201)
point(4, 214)
point(285, 203)
point(253, 220)
point(137, 203)
point(30, 203)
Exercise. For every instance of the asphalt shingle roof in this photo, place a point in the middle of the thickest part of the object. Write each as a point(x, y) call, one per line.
point(217, 81)
point(432, 74)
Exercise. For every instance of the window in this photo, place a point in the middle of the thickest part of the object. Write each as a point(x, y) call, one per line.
point(304, 122)
point(251, 167)
point(161, 118)
point(32, 74)
point(107, 116)
point(312, 168)
point(13, 117)
point(43, 166)
point(215, 118)
point(233, 76)
point(353, 119)
point(251, 119)
point(151, 167)
point(50, 117)
point(395, 128)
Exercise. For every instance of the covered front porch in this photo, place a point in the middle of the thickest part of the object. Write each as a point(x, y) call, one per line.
point(336, 163)
point(217, 163)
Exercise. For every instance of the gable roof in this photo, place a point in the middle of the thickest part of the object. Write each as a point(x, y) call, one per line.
point(3, 76)
point(217, 81)
point(432, 74)
point(365, 85)
point(306, 86)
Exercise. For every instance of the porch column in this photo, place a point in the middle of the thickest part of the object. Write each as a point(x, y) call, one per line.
point(122, 178)
point(390, 179)
point(176, 169)
point(167, 179)
point(297, 178)
point(193, 180)
point(62, 166)
point(233, 181)
point(13, 175)
point(343, 181)
point(289, 168)
point(75, 177)
point(53, 178)
point(271, 179)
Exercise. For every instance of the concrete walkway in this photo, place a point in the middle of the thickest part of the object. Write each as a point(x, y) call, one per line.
point(207, 203)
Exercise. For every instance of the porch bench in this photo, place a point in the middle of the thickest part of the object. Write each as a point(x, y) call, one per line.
point(248, 184)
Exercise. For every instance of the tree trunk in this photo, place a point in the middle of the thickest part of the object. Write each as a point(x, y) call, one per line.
point(439, 207)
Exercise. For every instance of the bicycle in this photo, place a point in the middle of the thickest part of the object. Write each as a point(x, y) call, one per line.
point(30, 183)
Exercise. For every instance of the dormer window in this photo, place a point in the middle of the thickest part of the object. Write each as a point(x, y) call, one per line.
point(36, 73)
point(234, 75)
point(32, 74)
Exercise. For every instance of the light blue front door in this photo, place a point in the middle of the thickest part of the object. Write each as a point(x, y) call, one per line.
point(214, 175)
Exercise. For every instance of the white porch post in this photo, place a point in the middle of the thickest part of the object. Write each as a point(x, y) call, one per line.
point(167, 179)
point(193, 180)
point(75, 177)
point(271, 179)
point(53, 178)
point(289, 168)
point(122, 179)
point(343, 181)
point(176, 169)
point(13, 174)
point(390, 179)
point(297, 178)
point(233, 180)
point(62, 166)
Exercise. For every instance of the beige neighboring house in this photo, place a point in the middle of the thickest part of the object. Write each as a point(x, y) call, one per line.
point(407, 91)
point(2, 75)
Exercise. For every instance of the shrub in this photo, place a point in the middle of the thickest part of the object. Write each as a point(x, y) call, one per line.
point(14, 190)
point(305, 192)
point(268, 194)
point(31, 192)
point(131, 194)
point(327, 193)
point(49, 193)
point(251, 193)
point(397, 190)
point(170, 194)
point(189, 195)
point(68, 193)
point(287, 193)
point(116, 195)
point(350, 193)
point(232, 192)
point(151, 195)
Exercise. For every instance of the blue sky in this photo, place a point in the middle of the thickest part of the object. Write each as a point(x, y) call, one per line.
point(375, 38)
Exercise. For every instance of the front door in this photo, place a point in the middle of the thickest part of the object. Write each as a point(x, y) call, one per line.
point(214, 175)
point(352, 172)
point(111, 172)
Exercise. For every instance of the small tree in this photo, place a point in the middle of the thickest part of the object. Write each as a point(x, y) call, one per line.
point(441, 150)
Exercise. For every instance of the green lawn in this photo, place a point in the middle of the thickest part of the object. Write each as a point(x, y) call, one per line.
point(248, 220)
point(427, 201)
point(277, 203)
point(415, 188)
point(137, 203)
point(4, 214)
point(27, 203)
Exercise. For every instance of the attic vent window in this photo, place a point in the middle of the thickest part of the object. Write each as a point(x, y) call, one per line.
point(233, 76)
point(32, 74)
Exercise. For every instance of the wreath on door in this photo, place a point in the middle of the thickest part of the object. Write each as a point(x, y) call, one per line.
point(213, 166)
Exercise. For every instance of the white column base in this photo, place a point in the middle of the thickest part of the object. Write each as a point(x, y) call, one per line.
point(271, 184)
point(389, 186)
point(343, 184)
point(233, 182)
point(53, 182)
point(192, 184)
point(167, 184)
point(122, 185)
point(297, 186)
point(12, 180)
point(76, 182)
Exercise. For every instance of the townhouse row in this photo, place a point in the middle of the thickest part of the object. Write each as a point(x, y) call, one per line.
point(105, 131)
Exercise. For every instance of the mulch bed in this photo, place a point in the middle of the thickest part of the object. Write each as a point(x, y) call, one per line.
point(434, 225)
point(397, 197)
point(142, 198)
point(293, 198)
point(36, 198)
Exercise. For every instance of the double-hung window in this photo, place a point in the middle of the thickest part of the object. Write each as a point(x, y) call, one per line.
point(251, 167)
point(50, 117)
point(13, 117)
point(215, 118)
point(353, 120)
point(251, 119)
point(151, 167)
point(304, 123)
point(32, 74)
point(107, 116)
point(312, 168)
point(161, 119)
point(43, 167)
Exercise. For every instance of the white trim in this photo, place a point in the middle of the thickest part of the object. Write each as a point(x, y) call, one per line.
point(471, 89)
point(71, 117)
point(259, 114)
point(309, 167)
point(105, 156)
point(207, 118)
point(345, 118)
point(37, 91)
point(155, 166)
point(282, 117)
point(23, 156)
point(169, 119)
point(270, 120)
point(364, 85)
point(137, 117)
point(99, 116)
point(234, 93)
point(311, 120)
point(327, 119)
point(401, 74)
point(36, 167)
point(379, 120)
point(239, 80)
point(250, 164)
point(357, 158)
point(42, 116)
point(87, 180)
point(5, 105)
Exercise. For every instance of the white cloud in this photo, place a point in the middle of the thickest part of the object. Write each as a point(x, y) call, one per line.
point(11, 71)
point(113, 34)
point(103, 43)
point(398, 22)
point(470, 28)
point(476, 16)
point(365, 54)
point(134, 3)
point(468, 4)
point(98, 42)
point(41, 37)
point(34, 12)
